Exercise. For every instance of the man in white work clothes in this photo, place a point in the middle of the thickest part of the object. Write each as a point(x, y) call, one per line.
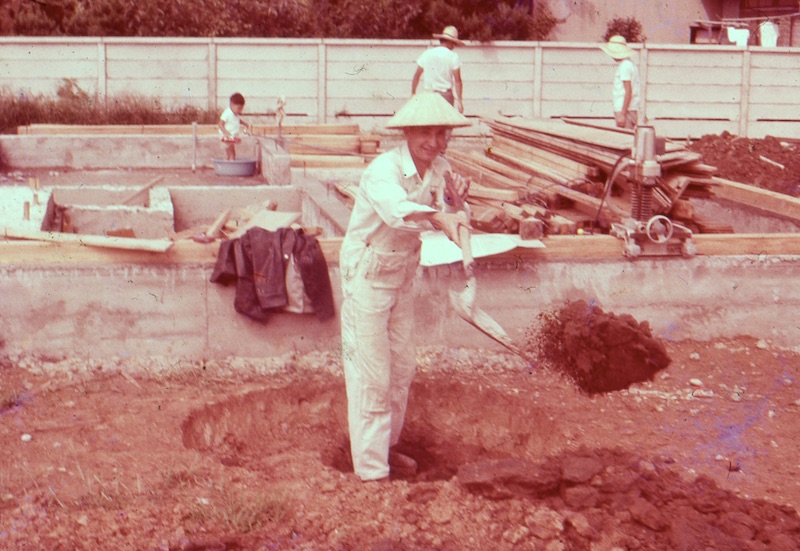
point(402, 193)
point(439, 69)
point(625, 91)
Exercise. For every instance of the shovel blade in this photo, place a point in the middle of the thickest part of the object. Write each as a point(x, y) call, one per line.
point(482, 321)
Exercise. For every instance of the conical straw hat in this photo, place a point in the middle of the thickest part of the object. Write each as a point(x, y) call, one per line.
point(427, 109)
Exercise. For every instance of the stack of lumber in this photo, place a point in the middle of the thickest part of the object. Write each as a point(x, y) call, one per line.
point(543, 177)
point(317, 145)
point(324, 145)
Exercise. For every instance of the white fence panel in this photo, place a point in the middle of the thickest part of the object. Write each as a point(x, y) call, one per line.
point(688, 90)
point(39, 66)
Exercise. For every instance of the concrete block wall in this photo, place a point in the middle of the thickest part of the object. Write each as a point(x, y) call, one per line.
point(688, 89)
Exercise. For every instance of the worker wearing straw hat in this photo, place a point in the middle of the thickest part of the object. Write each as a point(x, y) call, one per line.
point(402, 192)
point(625, 91)
point(439, 68)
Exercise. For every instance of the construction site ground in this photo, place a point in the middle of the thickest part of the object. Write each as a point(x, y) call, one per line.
point(246, 453)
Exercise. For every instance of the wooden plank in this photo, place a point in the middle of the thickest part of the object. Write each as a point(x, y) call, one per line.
point(329, 161)
point(530, 165)
point(202, 129)
point(484, 192)
point(580, 199)
point(607, 139)
point(126, 243)
point(755, 197)
point(318, 144)
point(215, 228)
point(127, 200)
point(494, 173)
point(604, 158)
point(556, 161)
point(556, 224)
point(559, 247)
point(268, 220)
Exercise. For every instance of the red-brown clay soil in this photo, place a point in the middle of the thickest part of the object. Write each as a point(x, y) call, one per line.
point(252, 454)
point(159, 453)
point(771, 163)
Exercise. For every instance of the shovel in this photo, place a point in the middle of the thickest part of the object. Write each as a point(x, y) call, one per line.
point(464, 302)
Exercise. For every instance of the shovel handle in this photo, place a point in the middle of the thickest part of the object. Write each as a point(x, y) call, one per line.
point(466, 250)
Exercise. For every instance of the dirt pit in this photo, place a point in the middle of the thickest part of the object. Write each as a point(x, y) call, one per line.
point(152, 453)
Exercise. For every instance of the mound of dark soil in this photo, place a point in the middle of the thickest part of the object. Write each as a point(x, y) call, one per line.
point(601, 352)
point(753, 161)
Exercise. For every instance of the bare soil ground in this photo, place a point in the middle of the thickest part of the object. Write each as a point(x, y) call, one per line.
point(252, 454)
point(164, 453)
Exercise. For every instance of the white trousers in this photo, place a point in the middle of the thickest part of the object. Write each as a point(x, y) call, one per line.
point(379, 360)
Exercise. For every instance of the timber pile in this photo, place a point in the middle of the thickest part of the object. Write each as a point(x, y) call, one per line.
point(541, 177)
point(310, 146)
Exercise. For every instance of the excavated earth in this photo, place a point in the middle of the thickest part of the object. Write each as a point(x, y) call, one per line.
point(603, 436)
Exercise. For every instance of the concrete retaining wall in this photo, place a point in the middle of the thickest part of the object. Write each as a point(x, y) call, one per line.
point(106, 311)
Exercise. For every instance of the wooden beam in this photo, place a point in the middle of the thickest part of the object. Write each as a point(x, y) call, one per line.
point(126, 243)
point(144, 189)
point(556, 161)
point(327, 161)
point(181, 129)
point(587, 202)
point(755, 197)
point(559, 247)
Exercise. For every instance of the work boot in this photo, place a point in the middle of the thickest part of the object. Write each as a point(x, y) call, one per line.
point(401, 464)
point(383, 480)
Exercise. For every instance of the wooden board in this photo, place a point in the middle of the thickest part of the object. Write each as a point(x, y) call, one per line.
point(755, 197)
point(269, 220)
point(555, 161)
point(560, 247)
point(327, 161)
point(186, 129)
point(127, 243)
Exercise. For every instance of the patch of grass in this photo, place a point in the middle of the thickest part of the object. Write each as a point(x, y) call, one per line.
point(242, 512)
point(192, 475)
point(72, 105)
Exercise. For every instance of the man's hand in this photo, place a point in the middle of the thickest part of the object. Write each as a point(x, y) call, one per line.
point(449, 224)
point(456, 188)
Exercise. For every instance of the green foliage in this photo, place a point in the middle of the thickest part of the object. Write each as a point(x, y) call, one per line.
point(629, 27)
point(72, 105)
point(482, 20)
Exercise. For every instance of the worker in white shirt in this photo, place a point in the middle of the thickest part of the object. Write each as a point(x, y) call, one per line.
point(402, 192)
point(439, 69)
point(625, 90)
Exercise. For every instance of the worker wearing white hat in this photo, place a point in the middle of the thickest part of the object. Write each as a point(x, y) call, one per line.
point(402, 193)
point(625, 91)
point(439, 69)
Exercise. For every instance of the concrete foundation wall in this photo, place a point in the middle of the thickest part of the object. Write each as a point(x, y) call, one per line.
point(175, 310)
point(119, 151)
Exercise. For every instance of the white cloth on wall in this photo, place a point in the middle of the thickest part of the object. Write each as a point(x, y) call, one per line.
point(768, 34)
point(738, 36)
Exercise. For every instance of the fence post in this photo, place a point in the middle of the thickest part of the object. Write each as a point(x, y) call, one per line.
point(322, 83)
point(644, 64)
point(744, 100)
point(538, 55)
point(101, 91)
point(212, 75)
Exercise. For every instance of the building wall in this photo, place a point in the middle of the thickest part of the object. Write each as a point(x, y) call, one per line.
point(662, 22)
